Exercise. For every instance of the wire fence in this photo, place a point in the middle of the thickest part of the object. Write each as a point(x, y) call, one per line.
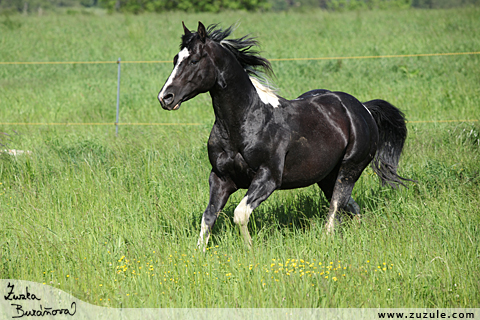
point(119, 62)
point(172, 123)
point(100, 124)
point(280, 59)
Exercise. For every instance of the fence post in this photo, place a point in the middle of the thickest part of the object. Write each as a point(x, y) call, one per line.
point(118, 98)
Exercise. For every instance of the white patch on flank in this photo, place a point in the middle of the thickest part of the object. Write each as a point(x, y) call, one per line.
point(266, 94)
point(182, 55)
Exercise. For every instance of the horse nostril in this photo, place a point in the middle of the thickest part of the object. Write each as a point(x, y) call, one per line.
point(168, 98)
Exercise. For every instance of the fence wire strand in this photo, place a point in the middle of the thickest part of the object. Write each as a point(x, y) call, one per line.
point(170, 124)
point(279, 59)
point(97, 124)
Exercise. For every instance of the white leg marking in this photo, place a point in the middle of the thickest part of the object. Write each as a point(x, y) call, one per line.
point(203, 231)
point(241, 216)
point(331, 218)
point(182, 55)
point(242, 212)
point(266, 94)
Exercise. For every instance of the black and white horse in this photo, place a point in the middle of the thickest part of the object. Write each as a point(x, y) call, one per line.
point(263, 142)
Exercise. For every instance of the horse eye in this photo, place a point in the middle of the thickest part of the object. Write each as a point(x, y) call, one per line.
point(194, 62)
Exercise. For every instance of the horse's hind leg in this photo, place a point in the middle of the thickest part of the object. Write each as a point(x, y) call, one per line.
point(338, 188)
point(328, 184)
point(340, 199)
point(353, 208)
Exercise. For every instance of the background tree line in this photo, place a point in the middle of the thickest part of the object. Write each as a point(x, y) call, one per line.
point(139, 6)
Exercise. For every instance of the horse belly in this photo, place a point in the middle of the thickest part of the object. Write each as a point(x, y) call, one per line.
point(306, 164)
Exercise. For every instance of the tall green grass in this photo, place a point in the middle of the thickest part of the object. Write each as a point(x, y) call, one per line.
point(115, 220)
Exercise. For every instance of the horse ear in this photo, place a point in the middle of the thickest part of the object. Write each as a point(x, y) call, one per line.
point(185, 29)
point(202, 32)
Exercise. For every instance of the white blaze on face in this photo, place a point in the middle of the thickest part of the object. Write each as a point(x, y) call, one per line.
point(182, 55)
point(266, 94)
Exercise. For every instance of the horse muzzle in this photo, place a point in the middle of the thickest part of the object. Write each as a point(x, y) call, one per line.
point(167, 101)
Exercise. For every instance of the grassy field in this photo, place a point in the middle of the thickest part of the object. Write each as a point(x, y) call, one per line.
point(115, 220)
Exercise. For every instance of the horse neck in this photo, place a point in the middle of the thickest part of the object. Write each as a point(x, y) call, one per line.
point(232, 101)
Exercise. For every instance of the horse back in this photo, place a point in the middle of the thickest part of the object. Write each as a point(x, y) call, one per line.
point(327, 128)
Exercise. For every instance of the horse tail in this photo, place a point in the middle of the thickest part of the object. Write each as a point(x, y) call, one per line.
point(392, 131)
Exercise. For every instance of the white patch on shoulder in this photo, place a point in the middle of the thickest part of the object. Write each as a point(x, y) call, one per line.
point(266, 94)
point(182, 55)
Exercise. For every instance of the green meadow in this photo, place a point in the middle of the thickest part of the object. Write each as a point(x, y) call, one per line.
point(114, 220)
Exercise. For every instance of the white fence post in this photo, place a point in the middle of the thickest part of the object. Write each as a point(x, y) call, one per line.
point(118, 98)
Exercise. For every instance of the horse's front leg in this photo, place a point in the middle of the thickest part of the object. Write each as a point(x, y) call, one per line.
point(220, 191)
point(264, 183)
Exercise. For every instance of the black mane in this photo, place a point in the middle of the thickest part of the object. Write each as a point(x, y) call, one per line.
point(242, 48)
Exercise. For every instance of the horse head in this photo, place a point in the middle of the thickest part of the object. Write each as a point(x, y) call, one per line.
point(193, 72)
